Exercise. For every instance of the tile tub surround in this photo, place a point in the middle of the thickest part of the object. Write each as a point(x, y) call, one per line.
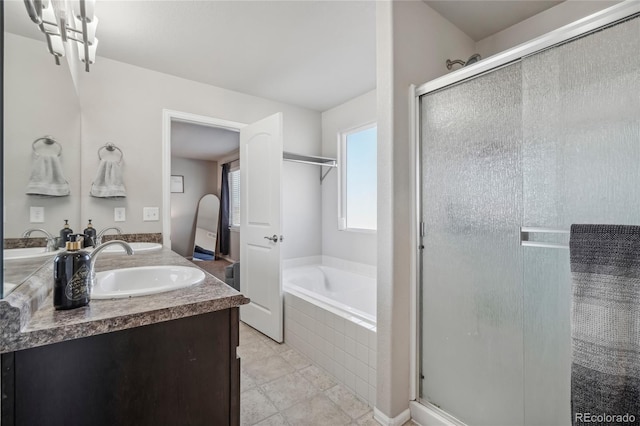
point(28, 319)
point(342, 345)
point(344, 349)
point(279, 386)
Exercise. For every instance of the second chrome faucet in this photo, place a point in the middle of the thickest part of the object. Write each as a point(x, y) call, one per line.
point(104, 230)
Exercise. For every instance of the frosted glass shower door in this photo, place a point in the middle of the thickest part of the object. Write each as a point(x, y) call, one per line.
point(580, 164)
point(472, 332)
point(548, 141)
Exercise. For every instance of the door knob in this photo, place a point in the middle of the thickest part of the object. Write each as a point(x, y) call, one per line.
point(274, 238)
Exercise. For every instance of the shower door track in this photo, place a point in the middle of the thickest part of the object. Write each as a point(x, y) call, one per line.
point(421, 410)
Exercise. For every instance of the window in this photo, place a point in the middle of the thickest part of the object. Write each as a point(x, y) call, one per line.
point(234, 198)
point(358, 179)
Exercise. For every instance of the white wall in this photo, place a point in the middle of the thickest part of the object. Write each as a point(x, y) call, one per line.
point(349, 245)
point(123, 104)
point(542, 23)
point(413, 43)
point(39, 100)
point(301, 207)
point(200, 178)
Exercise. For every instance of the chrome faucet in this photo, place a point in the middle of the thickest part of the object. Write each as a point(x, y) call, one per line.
point(94, 257)
point(52, 242)
point(102, 232)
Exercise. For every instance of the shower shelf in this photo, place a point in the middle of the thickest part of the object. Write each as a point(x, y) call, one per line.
point(314, 160)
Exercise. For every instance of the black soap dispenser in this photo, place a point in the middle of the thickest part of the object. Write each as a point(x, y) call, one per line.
point(64, 234)
point(72, 276)
point(89, 235)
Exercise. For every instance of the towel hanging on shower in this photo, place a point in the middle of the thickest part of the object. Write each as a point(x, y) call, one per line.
point(605, 366)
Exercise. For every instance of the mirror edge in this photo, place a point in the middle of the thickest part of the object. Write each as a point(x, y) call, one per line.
point(2, 139)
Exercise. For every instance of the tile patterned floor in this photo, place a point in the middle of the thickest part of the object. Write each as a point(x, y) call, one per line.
point(280, 387)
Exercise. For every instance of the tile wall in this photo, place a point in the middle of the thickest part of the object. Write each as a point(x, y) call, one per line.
point(343, 348)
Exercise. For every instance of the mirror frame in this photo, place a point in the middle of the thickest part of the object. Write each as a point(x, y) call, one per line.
point(2, 137)
point(199, 212)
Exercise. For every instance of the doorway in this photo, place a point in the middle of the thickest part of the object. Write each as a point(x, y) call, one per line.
point(195, 145)
point(260, 212)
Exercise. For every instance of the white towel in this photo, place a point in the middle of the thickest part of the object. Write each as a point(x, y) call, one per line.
point(47, 177)
point(108, 182)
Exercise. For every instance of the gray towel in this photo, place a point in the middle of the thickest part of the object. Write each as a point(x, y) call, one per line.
point(108, 182)
point(47, 177)
point(605, 329)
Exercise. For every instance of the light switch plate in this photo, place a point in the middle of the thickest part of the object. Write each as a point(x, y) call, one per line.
point(119, 214)
point(150, 214)
point(36, 215)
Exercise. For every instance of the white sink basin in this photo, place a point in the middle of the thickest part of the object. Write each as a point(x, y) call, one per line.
point(144, 280)
point(137, 248)
point(27, 253)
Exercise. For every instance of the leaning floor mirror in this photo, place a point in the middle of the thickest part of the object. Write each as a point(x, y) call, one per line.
point(206, 228)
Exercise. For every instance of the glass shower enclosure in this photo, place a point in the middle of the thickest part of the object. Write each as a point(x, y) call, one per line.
point(509, 160)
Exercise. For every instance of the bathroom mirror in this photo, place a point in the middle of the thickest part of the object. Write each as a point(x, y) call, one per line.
point(206, 234)
point(39, 100)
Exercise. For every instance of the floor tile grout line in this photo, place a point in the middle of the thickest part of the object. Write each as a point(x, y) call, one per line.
point(258, 337)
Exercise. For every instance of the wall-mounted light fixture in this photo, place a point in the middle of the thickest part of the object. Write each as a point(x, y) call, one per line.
point(62, 20)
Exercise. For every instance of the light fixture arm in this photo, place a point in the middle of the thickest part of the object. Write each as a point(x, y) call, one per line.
point(85, 40)
point(43, 17)
point(35, 13)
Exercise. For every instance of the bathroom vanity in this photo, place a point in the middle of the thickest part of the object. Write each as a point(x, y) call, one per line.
point(163, 359)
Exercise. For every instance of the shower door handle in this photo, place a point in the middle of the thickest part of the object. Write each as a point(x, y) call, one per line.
point(526, 230)
point(274, 238)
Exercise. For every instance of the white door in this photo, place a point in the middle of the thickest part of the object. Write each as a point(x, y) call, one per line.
point(260, 230)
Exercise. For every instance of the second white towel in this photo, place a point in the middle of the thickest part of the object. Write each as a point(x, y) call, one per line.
point(108, 182)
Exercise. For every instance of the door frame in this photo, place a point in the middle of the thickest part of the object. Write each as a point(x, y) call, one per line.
point(422, 411)
point(167, 117)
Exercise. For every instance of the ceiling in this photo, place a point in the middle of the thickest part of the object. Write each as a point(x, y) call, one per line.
point(313, 53)
point(481, 18)
point(199, 142)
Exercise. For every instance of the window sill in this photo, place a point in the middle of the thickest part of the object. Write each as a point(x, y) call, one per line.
point(234, 229)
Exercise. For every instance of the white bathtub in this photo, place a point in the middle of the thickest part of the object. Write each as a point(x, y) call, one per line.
point(330, 317)
point(350, 295)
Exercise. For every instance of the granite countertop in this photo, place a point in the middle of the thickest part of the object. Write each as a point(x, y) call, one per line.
point(28, 319)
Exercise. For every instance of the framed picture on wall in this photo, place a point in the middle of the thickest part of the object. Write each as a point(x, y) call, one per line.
point(177, 183)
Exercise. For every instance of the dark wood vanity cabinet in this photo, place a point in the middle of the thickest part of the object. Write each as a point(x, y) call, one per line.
point(179, 372)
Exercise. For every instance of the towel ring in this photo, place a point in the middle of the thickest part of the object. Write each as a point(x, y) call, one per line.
point(110, 147)
point(47, 140)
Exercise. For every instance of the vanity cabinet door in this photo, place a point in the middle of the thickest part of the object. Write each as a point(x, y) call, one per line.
point(179, 372)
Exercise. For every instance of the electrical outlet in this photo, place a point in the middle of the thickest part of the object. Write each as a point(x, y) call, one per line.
point(119, 214)
point(36, 215)
point(150, 214)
